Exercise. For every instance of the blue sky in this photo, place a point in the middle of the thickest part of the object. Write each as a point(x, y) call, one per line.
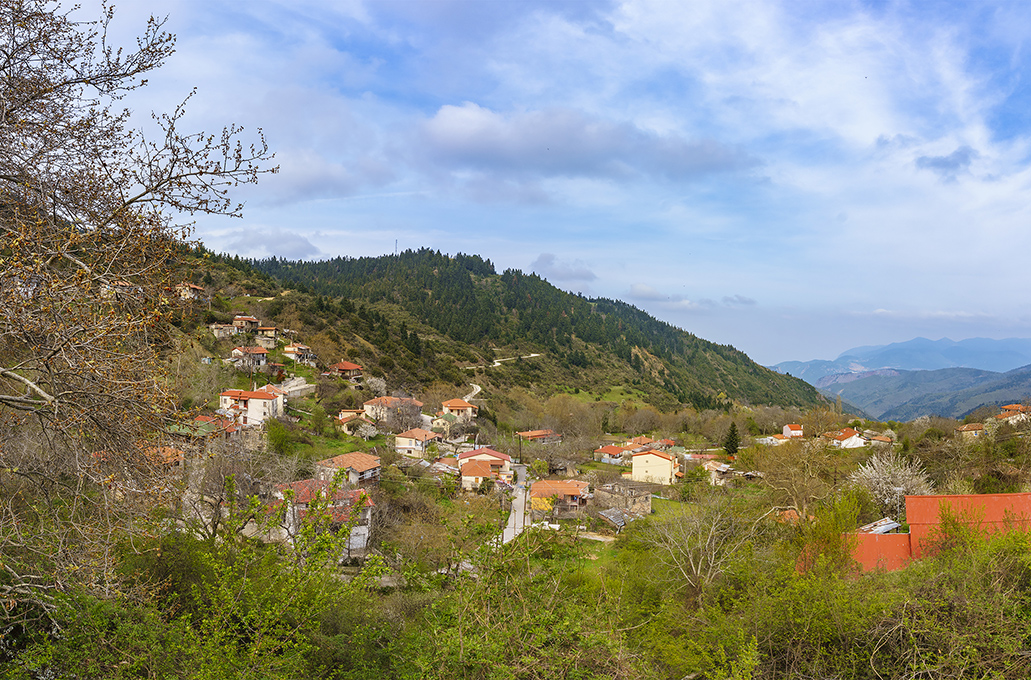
point(792, 178)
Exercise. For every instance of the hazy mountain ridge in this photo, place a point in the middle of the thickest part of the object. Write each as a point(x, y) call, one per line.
point(917, 354)
point(949, 392)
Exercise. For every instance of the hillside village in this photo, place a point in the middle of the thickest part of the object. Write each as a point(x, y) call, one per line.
point(607, 483)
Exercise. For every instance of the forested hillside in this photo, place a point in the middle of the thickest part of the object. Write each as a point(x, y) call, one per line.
point(462, 299)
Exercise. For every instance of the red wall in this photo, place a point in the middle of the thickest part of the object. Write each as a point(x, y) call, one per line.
point(990, 512)
point(881, 551)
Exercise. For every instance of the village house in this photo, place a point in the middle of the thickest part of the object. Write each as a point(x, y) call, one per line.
point(217, 426)
point(474, 472)
point(250, 357)
point(267, 331)
point(540, 436)
point(639, 442)
point(277, 392)
point(345, 369)
point(500, 463)
point(613, 454)
point(246, 323)
point(444, 423)
point(564, 497)
point(221, 331)
point(249, 407)
point(460, 408)
point(654, 466)
point(970, 431)
point(773, 440)
point(383, 407)
point(344, 506)
point(1013, 414)
point(361, 469)
point(414, 441)
point(845, 438)
point(792, 431)
point(189, 291)
point(299, 353)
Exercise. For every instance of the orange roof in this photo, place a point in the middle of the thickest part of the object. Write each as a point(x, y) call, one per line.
point(251, 350)
point(1014, 407)
point(306, 490)
point(419, 434)
point(458, 404)
point(356, 460)
point(971, 427)
point(841, 435)
point(536, 434)
point(642, 440)
point(489, 452)
point(246, 394)
point(272, 389)
point(792, 426)
point(346, 366)
point(476, 468)
point(653, 452)
point(546, 488)
point(611, 449)
point(391, 402)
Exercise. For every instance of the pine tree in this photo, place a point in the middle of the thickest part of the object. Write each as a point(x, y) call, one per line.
point(732, 440)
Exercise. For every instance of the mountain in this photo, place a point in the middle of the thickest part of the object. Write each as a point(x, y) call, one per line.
point(422, 316)
point(918, 354)
point(949, 392)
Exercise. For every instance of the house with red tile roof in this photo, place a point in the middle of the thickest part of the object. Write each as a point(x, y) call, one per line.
point(343, 506)
point(345, 369)
point(383, 407)
point(564, 496)
point(653, 466)
point(540, 436)
point(249, 407)
point(302, 354)
point(792, 430)
point(245, 323)
point(360, 468)
point(414, 441)
point(501, 463)
point(845, 438)
point(250, 356)
point(970, 431)
point(460, 408)
point(474, 472)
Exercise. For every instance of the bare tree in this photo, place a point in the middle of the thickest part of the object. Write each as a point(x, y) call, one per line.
point(699, 541)
point(88, 263)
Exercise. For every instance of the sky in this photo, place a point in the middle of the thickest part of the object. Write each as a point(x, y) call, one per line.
point(790, 178)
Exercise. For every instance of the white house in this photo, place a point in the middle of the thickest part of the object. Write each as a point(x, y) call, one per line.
point(653, 466)
point(792, 430)
point(461, 409)
point(500, 463)
point(846, 438)
point(344, 506)
point(250, 356)
point(362, 469)
point(414, 441)
point(249, 408)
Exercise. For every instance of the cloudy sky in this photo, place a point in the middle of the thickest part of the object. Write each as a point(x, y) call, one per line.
point(792, 178)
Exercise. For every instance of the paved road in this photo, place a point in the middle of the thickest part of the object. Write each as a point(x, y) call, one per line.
point(517, 518)
point(497, 362)
point(476, 390)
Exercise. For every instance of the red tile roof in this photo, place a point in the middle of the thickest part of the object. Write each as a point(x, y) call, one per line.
point(419, 434)
point(547, 488)
point(476, 468)
point(653, 452)
point(458, 404)
point(246, 394)
point(489, 452)
point(356, 460)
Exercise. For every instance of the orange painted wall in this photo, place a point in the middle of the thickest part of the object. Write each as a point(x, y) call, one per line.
point(881, 551)
point(992, 512)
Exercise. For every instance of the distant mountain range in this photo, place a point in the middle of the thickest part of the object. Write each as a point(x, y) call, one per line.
point(905, 380)
point(919, 354)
